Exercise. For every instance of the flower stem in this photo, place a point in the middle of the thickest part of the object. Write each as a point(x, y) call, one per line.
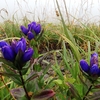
point(23, 83)
point(88, 91)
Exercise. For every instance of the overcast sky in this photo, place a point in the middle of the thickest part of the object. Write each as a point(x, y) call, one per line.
point(86, 10)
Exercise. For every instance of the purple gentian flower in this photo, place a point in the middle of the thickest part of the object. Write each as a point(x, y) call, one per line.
point(13, 44)
point(24, 30)
point(8, 53)
point(94, 59)
point(84, 65)
point(36, 28)
point(33, 30)
point(27, 55)
point(21, 45)
point(30, 35)
point(11, 51)
point(92, 69)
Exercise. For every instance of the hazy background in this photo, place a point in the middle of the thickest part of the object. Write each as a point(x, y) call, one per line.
point(86, 11)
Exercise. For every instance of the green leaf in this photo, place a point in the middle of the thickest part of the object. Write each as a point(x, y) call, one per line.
point(37, 67)
point(74, 91)
point(9, 63)
point(25, 68)
point(68, 37)
point(16, 79)
point(31, 76)
point(58, 81)
point(70, 79)
point(18, 62)
point(13, 74)
point(24, 71)
point(58, 71)
point(8, 69)
point(75, 70)
point(7, 74)
point(64, 56)
point(79, 88)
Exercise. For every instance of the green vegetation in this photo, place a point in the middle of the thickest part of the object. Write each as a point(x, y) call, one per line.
point(57, 55)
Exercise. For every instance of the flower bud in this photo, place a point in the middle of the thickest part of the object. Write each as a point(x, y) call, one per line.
point(8, 53)
point(37, 29)
point(27, 55)
point(33, 30)
point(94, 70)
point(30, 35)
point(30, 27)
point(24, 30)
point(84, 65)
point(94, 59)
point(24, 43)
point(13, 45)
point(21, 45)
point(3, 43)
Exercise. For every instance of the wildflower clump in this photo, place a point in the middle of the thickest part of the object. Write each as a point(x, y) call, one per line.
point(16, 52)
point(32, 31)
point(92, 69)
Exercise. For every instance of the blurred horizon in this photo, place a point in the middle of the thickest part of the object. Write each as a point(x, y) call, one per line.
point(86, 11)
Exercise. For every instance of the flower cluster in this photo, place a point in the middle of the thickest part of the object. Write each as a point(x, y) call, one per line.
point(33, 30)
point(92, 69)
point(16, 51)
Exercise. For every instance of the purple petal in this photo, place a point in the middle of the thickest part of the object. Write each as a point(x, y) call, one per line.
point(3, 43)
point(94, 70)
point(29, 27)
point(8, 53)
point(30, 35)
point(37, 29)
point(27, 55)
point(84, 65)
point(94, 59)
point(24, 43)
point(13, 45)
point(24, 30)
point(33, 23)
point(19, 47)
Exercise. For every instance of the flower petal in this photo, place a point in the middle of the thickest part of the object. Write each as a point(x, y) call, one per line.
point(94, 59)
point(13, 45)
point(19, 46)
point(24, 30)
point(37, 29)
point(24, 43)
point(29, 26)
point(27, 55)
point(94, 70)
point(3, 43)
point(30, 35)
point(33, 25)
point(84, 65)
point(8, 53)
